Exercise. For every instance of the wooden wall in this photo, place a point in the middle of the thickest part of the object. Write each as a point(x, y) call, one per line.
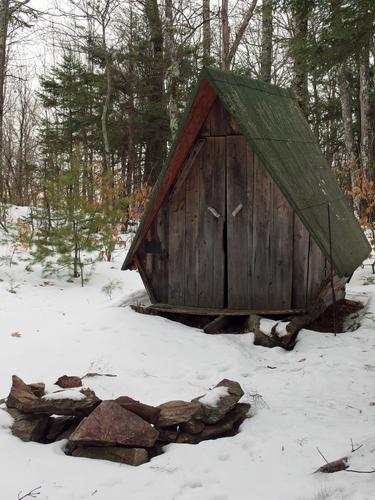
point(227, 237)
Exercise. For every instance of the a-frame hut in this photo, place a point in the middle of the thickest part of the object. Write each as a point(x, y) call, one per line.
point(246, 214)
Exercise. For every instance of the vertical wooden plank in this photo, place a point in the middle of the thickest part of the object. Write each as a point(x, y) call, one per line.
point(250, 159)
point(160, 261)
point(316, 271)
point(155, 264)
point(239, 211)
point(218, 119)
point(262, 233)
point(231, 125)
point(281, 252)
point(300, 264)
point(176, 260)
point(211, 255)
point(192, 233)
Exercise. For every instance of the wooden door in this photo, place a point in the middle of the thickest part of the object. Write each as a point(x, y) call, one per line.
point(240, 173)
point(260, 234)
point(196, 231)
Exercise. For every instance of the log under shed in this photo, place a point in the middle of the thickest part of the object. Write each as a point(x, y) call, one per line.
point(246, 215)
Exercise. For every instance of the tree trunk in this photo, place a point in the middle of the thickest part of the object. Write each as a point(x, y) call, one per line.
point(266, 53)
point(173, 68)
point(156, 141)
point(106, 105)
point(300, 81)
point(364, 99)
point(225, 34)
point(229, 51)
point(346, 113)
point(4, 20)
point(206, 43)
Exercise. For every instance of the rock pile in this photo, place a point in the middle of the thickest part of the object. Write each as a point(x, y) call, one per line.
point(121, 430)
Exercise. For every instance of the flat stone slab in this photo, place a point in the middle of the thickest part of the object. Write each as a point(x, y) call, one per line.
point(110, 424)
point(129, 456)
point(23, 399)
point(147, 412)
point(178, 412)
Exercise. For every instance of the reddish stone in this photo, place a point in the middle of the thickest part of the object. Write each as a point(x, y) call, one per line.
point(178, 412)
point(22, 398)
point(28, 427)
point(69, 382)
point(147, 412)
point(37, 389)
point(110, 424)
point(225, 404)
point(129, 456)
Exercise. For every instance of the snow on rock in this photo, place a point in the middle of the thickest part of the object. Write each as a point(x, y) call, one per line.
point(65, 394)
point(213, 397)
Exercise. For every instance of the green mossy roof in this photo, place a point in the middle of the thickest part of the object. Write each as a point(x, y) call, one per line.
point(273, 124)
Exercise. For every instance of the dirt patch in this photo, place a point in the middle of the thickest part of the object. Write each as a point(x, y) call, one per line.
point(347, 311)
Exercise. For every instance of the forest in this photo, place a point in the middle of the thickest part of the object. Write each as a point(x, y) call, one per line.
point(91, 93)
point(187, 277)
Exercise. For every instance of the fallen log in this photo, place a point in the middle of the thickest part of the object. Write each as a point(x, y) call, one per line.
point(296, 323)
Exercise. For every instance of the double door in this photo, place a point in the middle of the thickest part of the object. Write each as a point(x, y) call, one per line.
point(222, 222)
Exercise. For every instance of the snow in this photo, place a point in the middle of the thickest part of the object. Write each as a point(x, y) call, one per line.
point(71, 394)
point(213, 397)
point(319, 395)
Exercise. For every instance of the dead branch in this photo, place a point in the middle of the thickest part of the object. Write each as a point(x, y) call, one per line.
point(31, 494)
point(355, 449)
point(94, 374)
point(361, 471)
point(323, 457)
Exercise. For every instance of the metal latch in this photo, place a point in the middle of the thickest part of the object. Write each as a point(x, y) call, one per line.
point(237, 210)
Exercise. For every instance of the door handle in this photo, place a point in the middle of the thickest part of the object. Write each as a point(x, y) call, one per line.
point(214, 212)
point(237, 210)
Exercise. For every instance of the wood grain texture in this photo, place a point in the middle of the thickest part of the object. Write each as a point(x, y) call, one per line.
point(239, 221)
point(300, 263)
point(262, 234)
point(210, 237)
point(192, 232)
point(176, 260)
point(281, 252)
point(316, 272)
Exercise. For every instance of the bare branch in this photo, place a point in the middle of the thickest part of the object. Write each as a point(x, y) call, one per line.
point(241, 31)
point(31, 494)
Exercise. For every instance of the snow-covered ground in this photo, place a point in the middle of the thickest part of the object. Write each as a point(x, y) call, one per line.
point(318, 396)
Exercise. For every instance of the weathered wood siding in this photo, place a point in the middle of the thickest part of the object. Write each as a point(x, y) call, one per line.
point(227, 237)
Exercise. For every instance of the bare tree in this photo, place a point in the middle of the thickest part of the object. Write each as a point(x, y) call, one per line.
point(229, 49)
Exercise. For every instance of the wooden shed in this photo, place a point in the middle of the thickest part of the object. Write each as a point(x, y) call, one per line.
point(246, 215)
